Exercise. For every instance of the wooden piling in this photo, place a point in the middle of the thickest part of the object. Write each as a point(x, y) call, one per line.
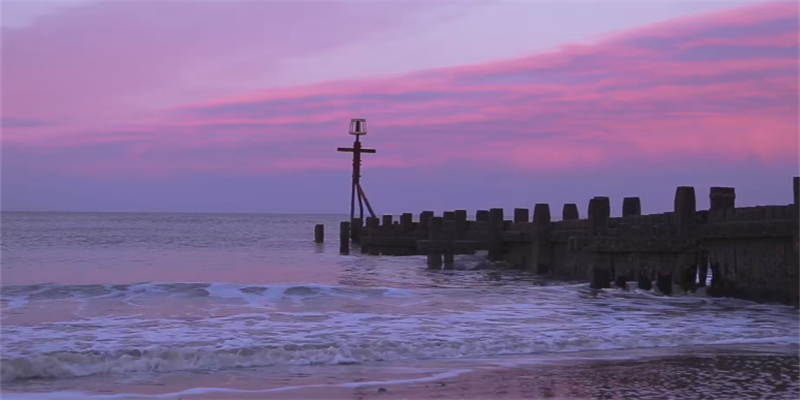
point(461, 224)
point(406, 222)
point(796, 187)
point(434, 260)
point(722, 198)
point(482, 215)
point(664, 284)
point(424, 222)
point(449, 259)
point(570, 212)
point(496, 224)
point(521, 215)
point(344, 238)
point(599, 212)
point(685, 207)
point(435, 225)
point(645, 281)
point(541, 215)
point(631, 206)
point(319, 233)
point(355, 230)
point(541, 256)
point(600, 277)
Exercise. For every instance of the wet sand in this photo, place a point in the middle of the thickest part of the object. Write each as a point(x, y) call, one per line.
point(685, 377)
point(723, 372)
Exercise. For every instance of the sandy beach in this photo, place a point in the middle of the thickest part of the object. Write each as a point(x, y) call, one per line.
point(716, 372)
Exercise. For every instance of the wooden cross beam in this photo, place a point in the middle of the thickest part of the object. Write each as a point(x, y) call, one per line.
point(351, 150)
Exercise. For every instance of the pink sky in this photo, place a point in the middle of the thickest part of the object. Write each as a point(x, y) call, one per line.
point(211, 106)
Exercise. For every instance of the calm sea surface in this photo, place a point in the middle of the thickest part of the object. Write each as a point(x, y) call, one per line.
point(89, 298)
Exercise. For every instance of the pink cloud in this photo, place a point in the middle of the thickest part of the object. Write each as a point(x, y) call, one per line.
point(111, 62)
point(721, 85)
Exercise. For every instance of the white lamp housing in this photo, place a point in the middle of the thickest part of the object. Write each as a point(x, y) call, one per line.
point(358, 126)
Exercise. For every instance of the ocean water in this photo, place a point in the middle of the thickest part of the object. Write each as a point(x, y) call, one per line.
point(96, 303)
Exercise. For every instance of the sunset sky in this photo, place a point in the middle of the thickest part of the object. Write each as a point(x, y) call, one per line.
point(239, 106)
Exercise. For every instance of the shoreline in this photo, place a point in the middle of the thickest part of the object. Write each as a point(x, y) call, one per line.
point(687, 372)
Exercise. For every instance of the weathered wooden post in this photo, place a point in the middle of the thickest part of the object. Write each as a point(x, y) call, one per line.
point(461, 224)
point(424, 223)
point(482, 215)
point(319, 233)
point(796, 189)
point(344, 238)
point(722, 198)
point(355, 230)
point(435, 235)
point(387, 231)
point(664, 283)
point(570, 212)
point(449, 259)
point(541, 255)
point(358, 127)
point(796, 184)
point(600, 271)
point(368, 243)
point(685, 208)
point(631, 206)
point(599, 212)
point(521, 215)
point(496, 224)
point(449, 216)
point(406, 221)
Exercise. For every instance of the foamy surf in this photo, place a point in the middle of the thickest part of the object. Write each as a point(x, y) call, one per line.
point(141, 294)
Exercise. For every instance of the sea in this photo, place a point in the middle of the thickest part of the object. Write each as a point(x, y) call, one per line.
point(161, 305)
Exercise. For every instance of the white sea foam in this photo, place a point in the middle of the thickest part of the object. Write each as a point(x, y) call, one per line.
point(372, 324)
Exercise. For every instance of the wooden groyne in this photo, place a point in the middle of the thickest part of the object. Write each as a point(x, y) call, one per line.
point(752, 252)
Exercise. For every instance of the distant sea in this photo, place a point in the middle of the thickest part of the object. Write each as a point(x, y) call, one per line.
point(95, 305)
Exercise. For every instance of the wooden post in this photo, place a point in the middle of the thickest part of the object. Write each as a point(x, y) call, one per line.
point(449, 216)
point(482, 215)
point(435, 234)
point(319, 233)
point(424, 222)
point(631, 206)
point(344, 238)
point(449, 259)
point(685, 207)
point(599, 212)
point(541, 215)
point(521, 215)
point(796, 185)
point(569, 212)
point(541, 255)
point(406, 221)
point(372, 226)
point(355, 230)
point(434, 260)
point(461, 224)
point(356, 192)
point(496, 224)
point(369, 233)
point(721, 198)
point(435, 225)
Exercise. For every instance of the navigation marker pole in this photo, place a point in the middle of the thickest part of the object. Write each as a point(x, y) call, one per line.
point(358, 127)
